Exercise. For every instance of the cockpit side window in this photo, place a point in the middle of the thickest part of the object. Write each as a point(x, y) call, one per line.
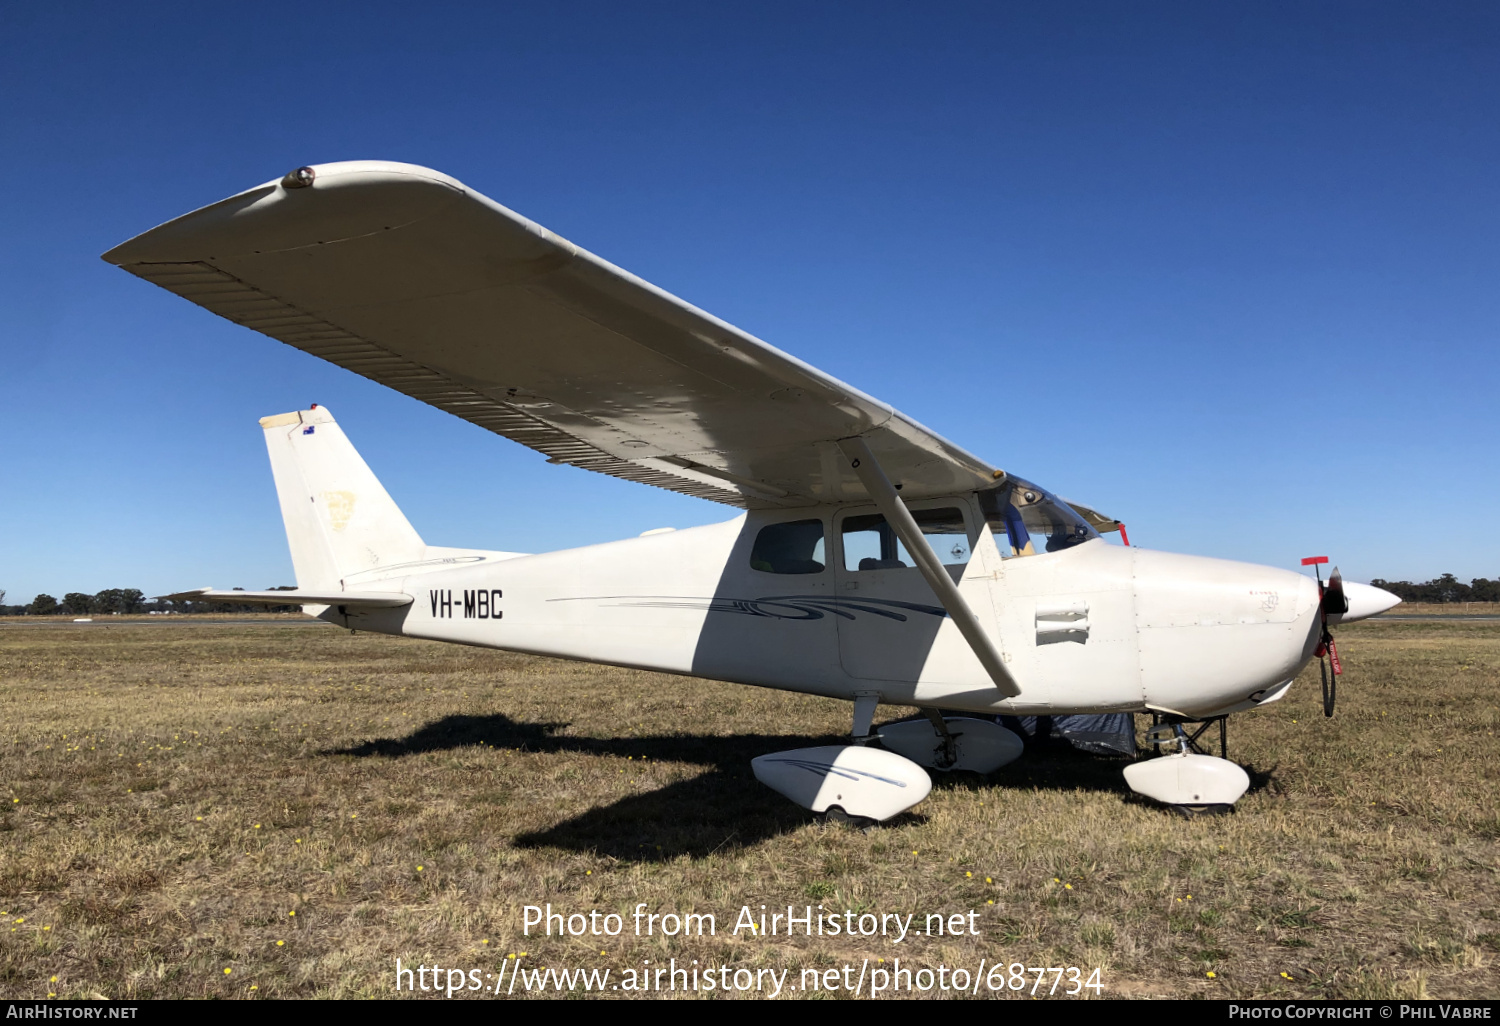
point(1026, 520)
point(791, 548)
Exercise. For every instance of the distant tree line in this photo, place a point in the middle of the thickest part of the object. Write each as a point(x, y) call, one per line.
point(131, 600)
point(1446, 588)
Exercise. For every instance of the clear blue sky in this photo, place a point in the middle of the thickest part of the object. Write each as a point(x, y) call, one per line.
point(1225, 271)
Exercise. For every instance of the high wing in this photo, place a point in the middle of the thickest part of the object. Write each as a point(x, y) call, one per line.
point(1098, 521)
point(405, 276)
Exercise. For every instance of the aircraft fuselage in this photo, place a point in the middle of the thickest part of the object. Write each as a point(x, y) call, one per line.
point(1094, 627)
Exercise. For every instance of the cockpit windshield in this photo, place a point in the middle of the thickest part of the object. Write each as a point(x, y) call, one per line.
point(1026, 519)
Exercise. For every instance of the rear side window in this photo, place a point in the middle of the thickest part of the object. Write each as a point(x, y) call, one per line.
point(871, 544)
point(790, 548)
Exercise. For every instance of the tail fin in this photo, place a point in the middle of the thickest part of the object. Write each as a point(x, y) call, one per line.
point(340, 522)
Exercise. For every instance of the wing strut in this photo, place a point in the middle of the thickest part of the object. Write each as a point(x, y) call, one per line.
point(872, 476)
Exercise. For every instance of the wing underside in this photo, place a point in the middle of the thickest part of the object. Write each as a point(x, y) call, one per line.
point(408, 278)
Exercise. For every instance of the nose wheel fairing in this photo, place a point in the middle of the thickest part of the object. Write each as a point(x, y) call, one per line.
point(1188, 779)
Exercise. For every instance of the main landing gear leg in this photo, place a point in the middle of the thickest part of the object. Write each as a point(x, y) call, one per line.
point(864, 714)
point(946, 752)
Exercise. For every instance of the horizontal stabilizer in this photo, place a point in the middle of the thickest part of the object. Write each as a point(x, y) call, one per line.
point(349, 599)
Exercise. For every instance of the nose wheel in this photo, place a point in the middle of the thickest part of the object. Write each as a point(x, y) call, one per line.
point(1330, 684)
point(1184, 777)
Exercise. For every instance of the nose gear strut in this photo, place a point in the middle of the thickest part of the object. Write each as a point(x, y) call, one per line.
point(1331, 599)
point(1167, 731)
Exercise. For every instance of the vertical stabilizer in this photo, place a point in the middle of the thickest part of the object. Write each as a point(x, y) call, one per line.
point(343, 528)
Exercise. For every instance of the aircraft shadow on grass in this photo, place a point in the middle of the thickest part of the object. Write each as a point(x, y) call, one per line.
point(725, 807)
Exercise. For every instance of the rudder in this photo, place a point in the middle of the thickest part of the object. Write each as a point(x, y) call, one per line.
point(343, 528)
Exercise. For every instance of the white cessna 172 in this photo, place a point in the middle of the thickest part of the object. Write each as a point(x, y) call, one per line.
point(875, 561)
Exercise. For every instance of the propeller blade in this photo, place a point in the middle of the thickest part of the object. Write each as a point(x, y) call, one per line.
point(1335, 602)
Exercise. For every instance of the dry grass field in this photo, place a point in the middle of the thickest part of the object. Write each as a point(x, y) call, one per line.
point(256, 810)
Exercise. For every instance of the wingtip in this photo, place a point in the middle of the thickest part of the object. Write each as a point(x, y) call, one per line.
point(282, 220)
